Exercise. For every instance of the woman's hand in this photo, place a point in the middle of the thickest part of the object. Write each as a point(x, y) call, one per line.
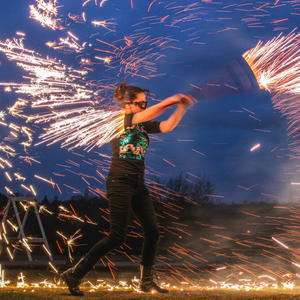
point(173, 100)
point(183, 101)
point(187, 101)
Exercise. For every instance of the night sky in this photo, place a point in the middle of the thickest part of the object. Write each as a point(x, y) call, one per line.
point(213, 139)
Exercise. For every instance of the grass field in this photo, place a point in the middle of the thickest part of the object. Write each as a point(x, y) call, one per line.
point(41, 293)
point(41, 284)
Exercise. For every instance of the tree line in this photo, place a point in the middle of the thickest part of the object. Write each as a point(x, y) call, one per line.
point(186, 212)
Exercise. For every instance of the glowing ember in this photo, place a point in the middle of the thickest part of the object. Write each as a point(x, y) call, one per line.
point(255, 147)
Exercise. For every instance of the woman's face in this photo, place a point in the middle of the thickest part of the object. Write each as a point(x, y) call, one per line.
point(135, 108)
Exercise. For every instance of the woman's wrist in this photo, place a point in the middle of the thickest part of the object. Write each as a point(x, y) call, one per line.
point(182, 107)
point(167, 103)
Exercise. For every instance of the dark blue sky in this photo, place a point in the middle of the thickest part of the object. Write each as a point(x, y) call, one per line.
point(202, 45)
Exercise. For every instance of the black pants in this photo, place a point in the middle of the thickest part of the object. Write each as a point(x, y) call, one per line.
point(128, 192)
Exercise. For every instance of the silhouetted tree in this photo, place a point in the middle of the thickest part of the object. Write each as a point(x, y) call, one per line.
point(77, 197)
point(3, 198)
point(180, 188)
point(45, 201)
point(86, 194)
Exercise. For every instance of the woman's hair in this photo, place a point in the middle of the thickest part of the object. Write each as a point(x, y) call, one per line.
point(124, 93)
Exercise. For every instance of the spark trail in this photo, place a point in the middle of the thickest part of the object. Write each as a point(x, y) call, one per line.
point(46, 14)
point(94, 128)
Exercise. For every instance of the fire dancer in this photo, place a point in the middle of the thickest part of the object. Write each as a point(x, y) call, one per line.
point(125, 186)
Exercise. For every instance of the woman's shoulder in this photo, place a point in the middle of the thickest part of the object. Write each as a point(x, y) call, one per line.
point(128, 120)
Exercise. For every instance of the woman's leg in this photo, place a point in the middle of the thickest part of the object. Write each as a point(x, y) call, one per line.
point(143, 209)
point(119, 194)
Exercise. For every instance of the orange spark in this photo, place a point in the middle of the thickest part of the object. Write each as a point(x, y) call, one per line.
point(150, 5)
point(169, 162)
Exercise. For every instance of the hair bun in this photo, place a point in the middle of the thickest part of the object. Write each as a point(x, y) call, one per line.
point(120, 91)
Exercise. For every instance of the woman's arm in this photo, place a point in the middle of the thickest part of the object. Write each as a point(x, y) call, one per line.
point(155, 110)
point(175, 118)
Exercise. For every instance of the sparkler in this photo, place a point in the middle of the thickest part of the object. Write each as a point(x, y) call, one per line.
point(8, 190)
point(106, 60)
point(32, 190)
point(24, 242)
point(70, 242)
point(104, 24)
point(2, 115)
point(44, 179)
point(21, 283)
point(8, 176)
point(276, 65)
point(3, 283)
point(43, 208)
point(94, 128)
point(47, 78)
point(46, 13)
point(14, 227)
point(71, 44)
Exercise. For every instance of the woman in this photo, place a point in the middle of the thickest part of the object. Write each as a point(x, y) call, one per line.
point(125, 186)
